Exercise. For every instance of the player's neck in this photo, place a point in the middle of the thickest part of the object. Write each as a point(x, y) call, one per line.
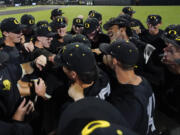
point(38, 44)
point(127, 77)
point(9, 42)
point(154, 32)
point(124, 37)
point(84, 85)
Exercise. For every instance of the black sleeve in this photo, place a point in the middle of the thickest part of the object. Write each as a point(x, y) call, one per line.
point(15, 128)
point(104, 38)
point(15, 71)
point(29, 56)
point(3, 110)
point(6, 128)
point(21, 128)
point(41, 51)
point(153, 72)
point(25, 56)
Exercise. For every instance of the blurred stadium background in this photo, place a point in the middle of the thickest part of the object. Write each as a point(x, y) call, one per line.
point(89, 2)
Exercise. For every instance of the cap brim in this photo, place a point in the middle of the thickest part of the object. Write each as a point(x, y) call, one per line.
point(60, 14)
point(106, 26)
point(167, 40)
point(105, 48)
point(153, 23)
point(46, 35)
point(32, 26)
point(17, 30)
point(62, 25)
point(79, 25)
point(87, 31)
point(133, 12)
point(28, 26)
point(22, 26)
point(51, 34)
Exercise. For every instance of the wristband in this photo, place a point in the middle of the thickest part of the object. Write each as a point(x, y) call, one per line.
point(47, 96)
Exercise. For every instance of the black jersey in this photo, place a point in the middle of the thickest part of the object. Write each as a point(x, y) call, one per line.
point(17, 54)
point(55, 45)
point(99, 38)
point(154, 69)
point(155, 40)
point(15, 128)
point(101, 87)
point(9, 93)
point(29, 37)
point(136, 103)
point(13, 53)
point(170, 95)
point(71, 32)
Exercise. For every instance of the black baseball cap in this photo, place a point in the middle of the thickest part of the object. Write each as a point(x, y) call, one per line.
point(105, 128)
point(78, 22)
point(171, 31)
point(11, 25)
point(56, 12)
point(175, 42)
point(90, 25)
point(121, 21)
point(76, 38)
point(77, 117)
point(91, 11)
point(44, 31)
point(172, 34)
point(96, 15)
point(59, 22)
point(28, 21)
point(42, 23)
point(124, 51)
point(82, 39)
point(128, 10)
point(154, 19)
point(67, 39)
point(134, 24)
point(76, 56)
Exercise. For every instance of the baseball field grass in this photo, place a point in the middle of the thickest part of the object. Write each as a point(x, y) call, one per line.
point(170, 14)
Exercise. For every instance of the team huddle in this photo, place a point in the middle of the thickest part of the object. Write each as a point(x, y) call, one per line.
point(86, 81)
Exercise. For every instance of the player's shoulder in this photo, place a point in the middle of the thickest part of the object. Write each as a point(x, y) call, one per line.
point(5, 82)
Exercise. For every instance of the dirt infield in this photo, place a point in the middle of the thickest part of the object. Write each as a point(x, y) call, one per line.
point(35, 9)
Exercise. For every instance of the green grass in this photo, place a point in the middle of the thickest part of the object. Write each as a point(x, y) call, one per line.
point(170, 14)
